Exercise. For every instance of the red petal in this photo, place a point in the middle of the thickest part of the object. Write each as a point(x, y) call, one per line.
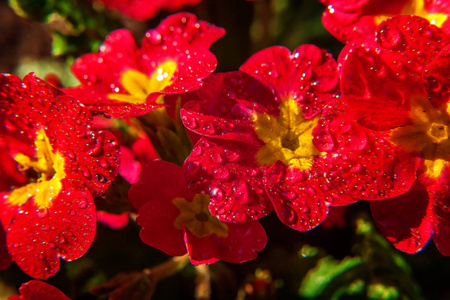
point(406, 221)
point(441, 198)
point(157, 218)
point(296, 196)
point(38, 290)
point(96, 161)
point(159, 180)
point(309, 75)
point(229, 103)
point(436, 78)
point(5, 257)
point(112, 220)
point(66, 229)
point(145, 10)
point(241, 245)
point(228, 172)
point(185, 28)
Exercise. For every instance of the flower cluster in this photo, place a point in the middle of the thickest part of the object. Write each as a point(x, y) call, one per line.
point(291, 132)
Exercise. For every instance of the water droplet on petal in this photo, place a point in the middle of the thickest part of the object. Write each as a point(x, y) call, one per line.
point(103, 163)
point(289, 215)
point(197, 151)
point(291, 195)
point(216, 193)
point(356, 168)
point(221, 173)
point(190, 123)
point(154, 36)
point(231, 95)
point(42, 212)
point(310, 191)
point(241, 191)
point(191, 168)
point(389, 36)
point(85, 172)
point(241, 216)
point(82, 203)
point(208, 128)
point(100, 178)
point(60, 239)
point(216, 158)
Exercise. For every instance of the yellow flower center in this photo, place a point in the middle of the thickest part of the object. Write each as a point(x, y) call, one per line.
point(427, 136)
point(417, 8)
point(139, 85)
point(288, 138)
point(50, 169)
point(197, 219)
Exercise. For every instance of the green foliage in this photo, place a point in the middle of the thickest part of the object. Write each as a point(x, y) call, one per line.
point(76, 26)
point(377, 271)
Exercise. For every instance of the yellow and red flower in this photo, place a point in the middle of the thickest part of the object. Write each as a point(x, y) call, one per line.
point(400, 87)
point(177, 221)
point(143, 10)
point(48, 213)
point(274, 137)
point(123, 80)
point(349, 20)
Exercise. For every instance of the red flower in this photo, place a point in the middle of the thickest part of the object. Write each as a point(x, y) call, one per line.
point(146, 9)
point(38, 290)
point(349, 20)
point(123, 80)
point(270, 143)
point(401, 87)
point(177, 220)
point(66, 164)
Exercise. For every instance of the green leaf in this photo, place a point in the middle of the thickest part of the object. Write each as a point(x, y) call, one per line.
point(329, 273)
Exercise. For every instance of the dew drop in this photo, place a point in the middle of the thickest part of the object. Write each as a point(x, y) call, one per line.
point(86, 173)
point(82, 203)
point(356, 168)
point(154, 37)
point(60, 239)
point(310, 191)
point(241, 191)
point(221, 173)
point(216, 158)
point(389, 36)
point(190, 123)
point(241, 216)
point(216, 193)
point(231, 95)
point(231, 155)
point(291, 195)
point(208, 128)
point(191, 168)
point(42, 212)
point(197, 151)
point(103, 163)
point(100, 178)
point(289, 215)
